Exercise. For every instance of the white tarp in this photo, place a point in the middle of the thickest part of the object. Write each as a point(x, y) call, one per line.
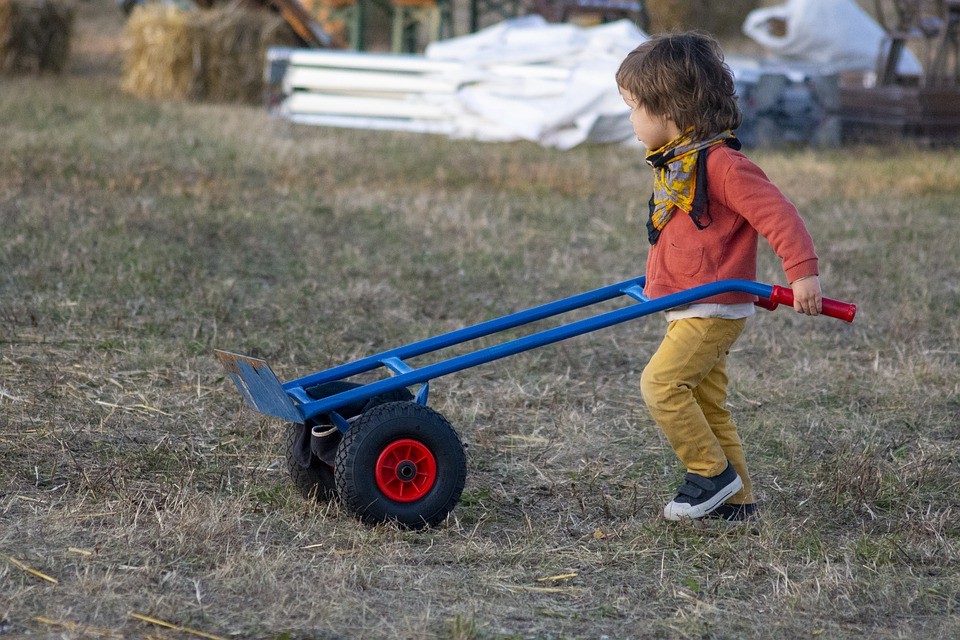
point(832, 35)
point(577, 102)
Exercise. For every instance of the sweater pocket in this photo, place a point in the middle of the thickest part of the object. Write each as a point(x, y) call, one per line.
point(684, 262)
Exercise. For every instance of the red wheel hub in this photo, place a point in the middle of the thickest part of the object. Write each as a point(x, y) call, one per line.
point(406, 470)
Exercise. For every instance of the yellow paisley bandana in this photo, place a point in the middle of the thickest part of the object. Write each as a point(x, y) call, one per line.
point(680, 179)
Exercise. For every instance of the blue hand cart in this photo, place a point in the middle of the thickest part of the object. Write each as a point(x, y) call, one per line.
point(381, 449)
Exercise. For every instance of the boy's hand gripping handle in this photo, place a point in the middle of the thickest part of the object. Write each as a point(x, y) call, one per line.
point(833, 308)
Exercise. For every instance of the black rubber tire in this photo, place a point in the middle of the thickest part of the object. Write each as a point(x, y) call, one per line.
point(370, 435)
point(397, 395)
point(315, 479)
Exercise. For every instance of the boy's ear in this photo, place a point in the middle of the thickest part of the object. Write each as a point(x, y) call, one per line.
point(671, 126)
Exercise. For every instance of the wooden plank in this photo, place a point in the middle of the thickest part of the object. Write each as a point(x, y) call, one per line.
point(375, 124)
point(907, 101)
point(376, 61)
point(328, 104)
point(302, 22)
point(337, 80)
point(410, 63)
point(928, 115)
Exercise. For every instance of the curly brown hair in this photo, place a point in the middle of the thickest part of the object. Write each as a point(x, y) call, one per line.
point(683, 76)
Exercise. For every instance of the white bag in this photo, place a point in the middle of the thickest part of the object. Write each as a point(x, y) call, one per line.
point(836, 35)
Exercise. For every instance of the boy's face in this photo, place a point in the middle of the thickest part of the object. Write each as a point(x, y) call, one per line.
point(652, 130)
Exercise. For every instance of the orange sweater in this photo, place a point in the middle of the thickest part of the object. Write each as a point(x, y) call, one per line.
point(742, 203)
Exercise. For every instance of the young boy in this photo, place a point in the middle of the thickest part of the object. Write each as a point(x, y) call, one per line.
point(708, 205)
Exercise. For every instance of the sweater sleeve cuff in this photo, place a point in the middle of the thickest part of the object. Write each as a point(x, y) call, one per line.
point(806, 268)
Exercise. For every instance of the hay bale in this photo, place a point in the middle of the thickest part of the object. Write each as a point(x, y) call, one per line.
point(216, 55)
point(233, 44)
point(719, 18)
point(35, 35)
point(158, 52)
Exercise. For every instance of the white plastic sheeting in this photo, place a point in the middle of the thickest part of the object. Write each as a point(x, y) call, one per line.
point(579, 103)
point(831, 35)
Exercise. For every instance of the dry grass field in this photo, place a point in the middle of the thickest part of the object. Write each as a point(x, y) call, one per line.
point(140, 498)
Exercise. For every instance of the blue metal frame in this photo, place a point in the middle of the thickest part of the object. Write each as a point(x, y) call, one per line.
point(405, 375)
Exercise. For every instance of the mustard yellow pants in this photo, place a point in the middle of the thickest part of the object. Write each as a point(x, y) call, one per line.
point(685, 388)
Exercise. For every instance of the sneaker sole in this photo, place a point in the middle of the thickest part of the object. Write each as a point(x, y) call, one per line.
point(678, 510)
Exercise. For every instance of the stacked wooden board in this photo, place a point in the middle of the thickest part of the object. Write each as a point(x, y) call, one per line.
point(927, 115)
point(363, 90)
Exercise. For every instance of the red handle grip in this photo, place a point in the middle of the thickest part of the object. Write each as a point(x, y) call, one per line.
point(830, 307)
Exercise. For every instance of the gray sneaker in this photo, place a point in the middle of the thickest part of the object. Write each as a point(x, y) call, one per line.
point(698, 496)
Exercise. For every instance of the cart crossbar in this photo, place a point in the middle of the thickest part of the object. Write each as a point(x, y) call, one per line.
point(469, 333)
